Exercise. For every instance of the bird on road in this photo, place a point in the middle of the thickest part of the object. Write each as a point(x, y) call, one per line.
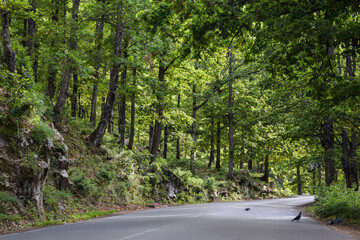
point(331, 222)
point(247, 209)
point(297, 218)
point(339, 220)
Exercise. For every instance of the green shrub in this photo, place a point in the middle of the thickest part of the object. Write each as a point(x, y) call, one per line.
point(84, 185)
point(53, 196)
point(337, 200)
point(5, 201)
point(40, 132)
point(104, 175)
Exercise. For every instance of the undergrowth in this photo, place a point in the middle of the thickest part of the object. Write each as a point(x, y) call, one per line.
point(337, 201)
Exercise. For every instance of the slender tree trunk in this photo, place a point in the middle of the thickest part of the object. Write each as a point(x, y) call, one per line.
point(97, 136)
point(298, 180)
point(8, 51)
point(231, 119)
point(265, 178)
point(327, 141)
point(166, 136)
point(122, 104)
point(64, 87)
point(132, 120)
point(32, 44)
point(348, 159)
point(193, 132)
point(178, 139)
point(212, 144)
point(67, 69)
point(218, 145)
point(111, 122)
point(151, 135)
point(73, 47)
point(51, 89)
point(74, 95)
point(99, 32)
point(159, 117)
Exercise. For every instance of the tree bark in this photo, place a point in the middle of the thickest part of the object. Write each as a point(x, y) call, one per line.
point(327, 142)
point(51, 89)
point(73, 47)
point(64, 87)
point(231, 119)
point(298, 180)
point(265, 178)
point(166, 136)
point(178, 139)
point(122, 104)
point(193, 132)
point(218, 145)
point(32, 44)
point(8, 51)
point(99, 32)
point(67, 69)
point(348, 159)
point(111, 122)
point(133, 109)
point(97, 136)
point(212, 145)
point(74, 95)
point(159, 117)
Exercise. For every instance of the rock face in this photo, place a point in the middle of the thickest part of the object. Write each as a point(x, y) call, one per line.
point(25, 166)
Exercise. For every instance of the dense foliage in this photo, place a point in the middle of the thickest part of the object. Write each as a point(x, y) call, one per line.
point(130, 92)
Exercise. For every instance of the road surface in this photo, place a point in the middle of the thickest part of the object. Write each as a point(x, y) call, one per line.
point(266, 220)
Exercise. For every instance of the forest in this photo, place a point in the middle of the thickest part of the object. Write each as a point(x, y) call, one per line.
point(118, 104)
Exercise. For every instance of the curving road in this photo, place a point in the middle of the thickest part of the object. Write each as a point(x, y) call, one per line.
point(266, 219)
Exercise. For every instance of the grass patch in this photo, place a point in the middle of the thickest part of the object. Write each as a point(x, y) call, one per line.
point(90, 215)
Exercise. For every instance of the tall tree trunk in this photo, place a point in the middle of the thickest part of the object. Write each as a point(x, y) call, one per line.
point(51, 79)
point(8, 51)
point(327, 142)
point(151, 135)
point(122, 104)
point(74, 99)
point(231, 119)
point(97, 136)
point(178, 139)
point(32, 44)
point(67, 68)
point(348, 159)
point(298, 180)
point(265, 178)
point(111, 122)
point(132, 115)
point(73, 47)
point(212, 144)
point(193, 132)
point(166, 136)
point(218, 145)
point(99, 32)
point(64, 87)
point(159, 117)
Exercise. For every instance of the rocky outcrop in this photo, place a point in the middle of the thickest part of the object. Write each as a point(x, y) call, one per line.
point(25, 166)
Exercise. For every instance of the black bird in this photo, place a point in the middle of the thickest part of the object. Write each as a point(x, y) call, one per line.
point(331, 222)
point(297, 218)
point(247, 209)
point(339, 220)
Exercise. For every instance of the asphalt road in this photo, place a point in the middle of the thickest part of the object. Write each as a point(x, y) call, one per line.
point(266, 220)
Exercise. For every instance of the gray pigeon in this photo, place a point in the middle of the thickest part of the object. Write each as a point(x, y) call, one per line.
point(339, 220)
point(297, 218)
point(331, 222)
